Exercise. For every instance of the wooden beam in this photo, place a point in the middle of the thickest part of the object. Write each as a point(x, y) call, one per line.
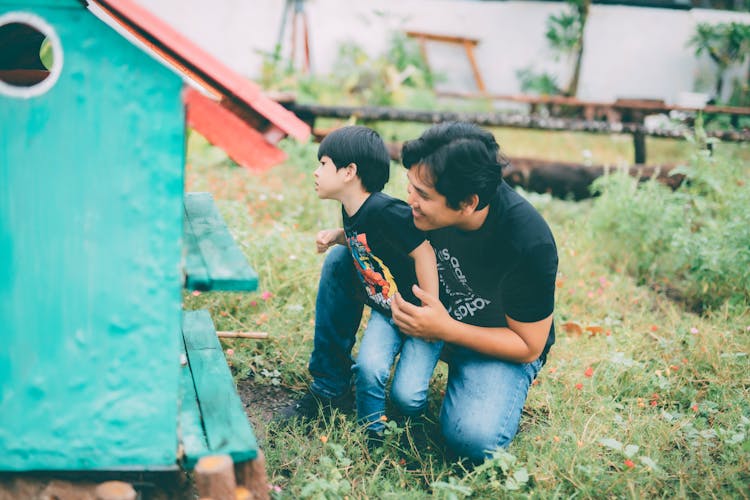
point(242, 335)
point(511, 120)
point(214, 477)
point(436, 37)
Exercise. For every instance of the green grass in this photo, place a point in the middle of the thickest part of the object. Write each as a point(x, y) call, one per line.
point(639, 398)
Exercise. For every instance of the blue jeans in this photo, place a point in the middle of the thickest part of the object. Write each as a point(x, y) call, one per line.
point(484, 396)
point(380, 345)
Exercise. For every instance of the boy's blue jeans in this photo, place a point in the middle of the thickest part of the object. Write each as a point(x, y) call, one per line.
point(380, 345)
point(484, 396)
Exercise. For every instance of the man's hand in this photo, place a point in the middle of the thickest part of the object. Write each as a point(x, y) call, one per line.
point(428, 321)
point(329, 237)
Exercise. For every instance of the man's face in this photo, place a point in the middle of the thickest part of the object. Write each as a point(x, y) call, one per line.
point(428, 207)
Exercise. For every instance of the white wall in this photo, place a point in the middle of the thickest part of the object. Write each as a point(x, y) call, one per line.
point(629, 51)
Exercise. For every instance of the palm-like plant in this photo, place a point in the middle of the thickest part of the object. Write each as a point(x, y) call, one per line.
point(725, 43)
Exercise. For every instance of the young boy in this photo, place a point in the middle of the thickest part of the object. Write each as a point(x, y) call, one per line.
point(390, 255)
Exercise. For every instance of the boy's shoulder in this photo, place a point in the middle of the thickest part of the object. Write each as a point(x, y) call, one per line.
point(381, 198)
point(387, 206)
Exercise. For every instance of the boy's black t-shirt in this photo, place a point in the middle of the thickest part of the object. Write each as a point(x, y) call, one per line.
point(506, 267)
point(380, 237)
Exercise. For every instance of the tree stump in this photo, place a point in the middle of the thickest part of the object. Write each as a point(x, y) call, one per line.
point(252, 475)
point(115, 490)
point(214, 477)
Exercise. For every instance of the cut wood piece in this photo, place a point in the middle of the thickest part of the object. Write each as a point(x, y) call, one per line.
point(242, 493)
point(115, 490)
point(214, 477)
point(252, 475)
point(243, 335)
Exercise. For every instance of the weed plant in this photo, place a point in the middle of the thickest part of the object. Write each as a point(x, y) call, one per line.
point(640, 397)
point(693, 243)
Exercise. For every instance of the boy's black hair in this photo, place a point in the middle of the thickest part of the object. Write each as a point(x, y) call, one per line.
point(462, 159)
point(362, 146)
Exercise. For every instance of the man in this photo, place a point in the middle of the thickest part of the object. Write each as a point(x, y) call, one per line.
point(497, 263)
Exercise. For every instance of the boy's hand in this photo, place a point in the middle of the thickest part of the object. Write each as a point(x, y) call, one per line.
point(327, 238)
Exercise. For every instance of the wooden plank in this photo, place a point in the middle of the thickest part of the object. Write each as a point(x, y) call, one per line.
point(226, 265)
point(225, 423)
point(224, 127)
point(437, 37)
point(633, 104)
point(504, 119)
point(196, 274)
point(190, 431)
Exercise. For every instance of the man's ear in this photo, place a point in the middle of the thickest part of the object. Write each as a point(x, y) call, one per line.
point(469, 205)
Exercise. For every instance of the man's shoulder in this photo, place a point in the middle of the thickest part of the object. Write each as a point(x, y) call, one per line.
point(519, 222)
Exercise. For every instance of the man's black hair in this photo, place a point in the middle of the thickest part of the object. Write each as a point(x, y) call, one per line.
point(362, 146)
point(462, 159)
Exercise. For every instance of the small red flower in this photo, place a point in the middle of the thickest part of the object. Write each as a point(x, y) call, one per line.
point(579, 386)
point(629, 463)
point(694, 408)
point(654, 328)
point(589, 372)
point(266, 295)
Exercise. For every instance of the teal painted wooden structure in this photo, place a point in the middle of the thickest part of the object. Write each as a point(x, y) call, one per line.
point(91, 265)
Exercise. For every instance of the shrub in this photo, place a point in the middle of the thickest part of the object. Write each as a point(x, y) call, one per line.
point(693, 243)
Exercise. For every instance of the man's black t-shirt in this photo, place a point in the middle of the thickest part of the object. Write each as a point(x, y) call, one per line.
point(506, 267)
point(380, 237)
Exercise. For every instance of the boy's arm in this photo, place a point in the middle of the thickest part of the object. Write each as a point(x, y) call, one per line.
point(425, 265)
point(329, 237)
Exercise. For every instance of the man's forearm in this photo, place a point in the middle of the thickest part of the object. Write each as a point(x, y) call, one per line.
point(500, 342)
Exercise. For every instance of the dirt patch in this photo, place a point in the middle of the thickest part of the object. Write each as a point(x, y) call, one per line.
point(262, 403)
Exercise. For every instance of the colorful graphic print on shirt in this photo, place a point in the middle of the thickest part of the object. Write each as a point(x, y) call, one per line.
point(375, 276)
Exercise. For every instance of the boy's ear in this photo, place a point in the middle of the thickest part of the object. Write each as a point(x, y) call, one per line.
point(469, 205)
point(351, 171)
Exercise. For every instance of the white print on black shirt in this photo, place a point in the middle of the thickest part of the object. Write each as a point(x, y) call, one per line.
point(462, 301)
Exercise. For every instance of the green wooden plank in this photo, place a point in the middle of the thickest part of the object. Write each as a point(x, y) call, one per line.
point(196, 274)
point(225, 263)
point(190, 427)
point(225, 423)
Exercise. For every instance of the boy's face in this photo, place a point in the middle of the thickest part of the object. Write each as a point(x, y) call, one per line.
point(428, 207)
point(329, 181)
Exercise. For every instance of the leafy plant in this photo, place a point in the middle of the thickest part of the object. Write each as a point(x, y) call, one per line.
point(537, 83)
point(726, 44)
point(398, 77)
point(693, 243)
point(565, 35)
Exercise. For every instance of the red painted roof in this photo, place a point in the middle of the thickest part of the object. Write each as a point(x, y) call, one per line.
point(243, 144)
point(236, 92)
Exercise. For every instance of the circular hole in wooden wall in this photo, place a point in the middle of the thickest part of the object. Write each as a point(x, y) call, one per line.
point(30, 55)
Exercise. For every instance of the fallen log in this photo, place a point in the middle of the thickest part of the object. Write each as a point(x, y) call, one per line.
point(567, 180)
point(564, 180)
